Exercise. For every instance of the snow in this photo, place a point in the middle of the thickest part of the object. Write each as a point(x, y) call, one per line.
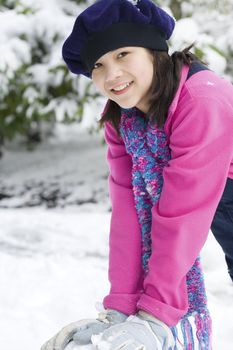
point(53, 262)
point(55, 210)
point(182, 37)
point(99, 343)
point(36, 40)
point(51, 267)
point(216, 61)
point(187, 31)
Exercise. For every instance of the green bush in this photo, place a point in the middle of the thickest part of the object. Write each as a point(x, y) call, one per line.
point(27, 101)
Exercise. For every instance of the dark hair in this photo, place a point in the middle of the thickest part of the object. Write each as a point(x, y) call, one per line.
point(167, 70)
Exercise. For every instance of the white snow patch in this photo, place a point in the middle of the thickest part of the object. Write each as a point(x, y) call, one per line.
point(216, 61)
point(186, 31)
point(99, 343)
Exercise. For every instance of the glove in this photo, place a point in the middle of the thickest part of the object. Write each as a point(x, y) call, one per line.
point(140, 332)
point(81, 331)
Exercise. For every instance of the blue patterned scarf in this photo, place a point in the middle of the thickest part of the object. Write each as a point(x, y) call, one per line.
point(147, 145)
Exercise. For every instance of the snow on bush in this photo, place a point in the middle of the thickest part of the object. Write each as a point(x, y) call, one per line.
point(35, 84)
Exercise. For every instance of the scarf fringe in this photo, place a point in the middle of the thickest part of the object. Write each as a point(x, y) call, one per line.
point(204, 330)
point(193, 333)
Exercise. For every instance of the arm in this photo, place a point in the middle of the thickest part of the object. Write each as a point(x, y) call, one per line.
point(125, 272)
point(201, 146)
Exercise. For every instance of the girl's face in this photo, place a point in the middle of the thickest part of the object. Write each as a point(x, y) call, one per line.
point(125, 76)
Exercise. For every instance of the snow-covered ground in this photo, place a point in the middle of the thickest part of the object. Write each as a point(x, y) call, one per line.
point(53, 261)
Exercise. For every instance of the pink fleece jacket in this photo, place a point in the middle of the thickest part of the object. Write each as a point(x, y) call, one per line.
point(199, 128)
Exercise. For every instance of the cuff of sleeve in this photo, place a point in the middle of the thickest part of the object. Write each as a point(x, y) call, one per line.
point(126, 303)
point(166, 313)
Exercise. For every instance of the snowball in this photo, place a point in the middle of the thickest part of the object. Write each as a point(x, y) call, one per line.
point(100, 344)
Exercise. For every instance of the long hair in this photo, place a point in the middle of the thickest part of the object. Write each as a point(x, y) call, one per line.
point(165, 82)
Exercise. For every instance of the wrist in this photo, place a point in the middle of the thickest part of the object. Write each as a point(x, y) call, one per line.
point(161, 329)
point(112, 316)
point(149, 317)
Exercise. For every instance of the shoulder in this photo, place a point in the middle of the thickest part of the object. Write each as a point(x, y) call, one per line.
point(205, 101)
point(206, 84)
point(205, 92)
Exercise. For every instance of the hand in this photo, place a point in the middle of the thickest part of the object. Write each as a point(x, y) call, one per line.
point(81, 331)
point(65, 335)
point(140, 332)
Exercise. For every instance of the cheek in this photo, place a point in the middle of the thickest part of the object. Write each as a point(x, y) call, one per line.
point(98, 83)
point(145, 78)
point(149, 76)
point(147, 70)
point(144, 72)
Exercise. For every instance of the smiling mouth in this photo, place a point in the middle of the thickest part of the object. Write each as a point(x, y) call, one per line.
point(121, 88)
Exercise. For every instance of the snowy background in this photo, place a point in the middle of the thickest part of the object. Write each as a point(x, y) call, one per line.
point(53, 262)
point(54, 205)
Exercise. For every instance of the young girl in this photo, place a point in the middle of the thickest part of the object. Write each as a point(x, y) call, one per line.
point(168, 126)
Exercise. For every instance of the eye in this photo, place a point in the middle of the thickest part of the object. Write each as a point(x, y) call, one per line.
point(97, 65)
point(122, 54)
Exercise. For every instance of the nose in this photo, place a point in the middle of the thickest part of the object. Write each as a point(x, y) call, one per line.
point(112, 73)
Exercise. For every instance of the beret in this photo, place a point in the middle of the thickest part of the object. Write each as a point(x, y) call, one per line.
point(110, 24)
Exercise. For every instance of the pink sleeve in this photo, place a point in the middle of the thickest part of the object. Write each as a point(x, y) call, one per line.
point(125, 273)
point(201, 146)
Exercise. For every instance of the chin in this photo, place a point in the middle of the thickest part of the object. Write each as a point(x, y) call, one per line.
point(126, 105)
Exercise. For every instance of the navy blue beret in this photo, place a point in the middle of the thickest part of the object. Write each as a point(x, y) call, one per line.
point(110, 24)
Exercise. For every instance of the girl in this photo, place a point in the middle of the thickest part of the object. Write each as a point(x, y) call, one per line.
point(168, 126)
